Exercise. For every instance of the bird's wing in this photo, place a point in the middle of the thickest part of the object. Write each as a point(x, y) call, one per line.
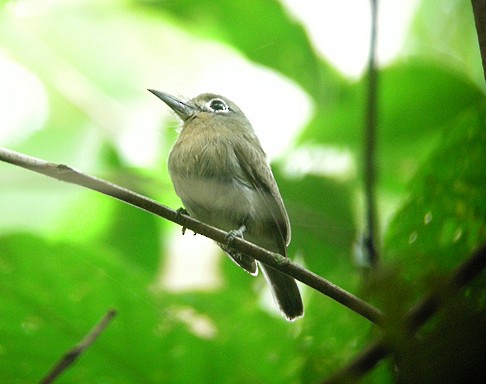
point(257, 172)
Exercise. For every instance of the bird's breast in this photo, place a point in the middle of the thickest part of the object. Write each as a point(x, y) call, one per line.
point(207, 177)
point(203, 154)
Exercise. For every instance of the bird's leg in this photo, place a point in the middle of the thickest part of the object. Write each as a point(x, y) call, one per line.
point(179, 212)
point(235, 233)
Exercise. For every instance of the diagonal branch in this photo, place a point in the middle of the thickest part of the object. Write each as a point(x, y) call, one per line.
point(64, 173)
point(73, 354)
point(415, 318)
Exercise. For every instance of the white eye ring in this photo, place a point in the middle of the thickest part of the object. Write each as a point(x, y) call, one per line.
point(217, 105)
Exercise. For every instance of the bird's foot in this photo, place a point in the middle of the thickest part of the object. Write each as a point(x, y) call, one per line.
point(235, 233)
point(179, 212)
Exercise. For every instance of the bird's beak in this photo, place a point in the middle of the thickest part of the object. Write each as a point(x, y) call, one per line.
point(183, 110)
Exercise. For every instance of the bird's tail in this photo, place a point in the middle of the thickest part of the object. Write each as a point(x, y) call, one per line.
point(285, 291)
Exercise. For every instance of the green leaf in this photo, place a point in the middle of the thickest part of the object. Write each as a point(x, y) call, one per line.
point(53, 294)
point(446, 32)
point(444, 218)
point(416, 99)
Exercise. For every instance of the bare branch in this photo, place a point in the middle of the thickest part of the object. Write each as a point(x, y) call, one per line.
point(416, 317)
point(279, 262)
point(72, 355)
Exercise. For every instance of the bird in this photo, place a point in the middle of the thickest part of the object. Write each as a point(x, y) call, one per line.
point(221, 174)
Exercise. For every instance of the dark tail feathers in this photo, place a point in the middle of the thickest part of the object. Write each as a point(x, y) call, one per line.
point(285, 292)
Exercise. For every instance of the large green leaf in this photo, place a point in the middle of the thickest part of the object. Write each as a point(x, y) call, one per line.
point(53, 293)
point(444, 218)
point(415, 100)
point(445, 31)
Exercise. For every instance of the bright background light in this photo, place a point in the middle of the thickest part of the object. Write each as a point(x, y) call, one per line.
point(340, 30)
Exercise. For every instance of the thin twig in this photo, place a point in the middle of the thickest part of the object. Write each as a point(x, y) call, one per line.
point(415, 318)
point(65, 173)
point(370, 237)
point(73, 354)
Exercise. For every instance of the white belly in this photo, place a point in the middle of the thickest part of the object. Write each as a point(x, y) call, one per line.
point(225, 205)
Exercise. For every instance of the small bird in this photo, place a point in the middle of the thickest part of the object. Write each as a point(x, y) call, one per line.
point(221, 174)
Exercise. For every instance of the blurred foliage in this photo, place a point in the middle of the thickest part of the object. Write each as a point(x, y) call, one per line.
point(416, 99)
point(281, 43)
point(68, 255)
point(444, 214)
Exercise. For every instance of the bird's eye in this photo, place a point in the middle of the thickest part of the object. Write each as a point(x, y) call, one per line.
point(218, 105)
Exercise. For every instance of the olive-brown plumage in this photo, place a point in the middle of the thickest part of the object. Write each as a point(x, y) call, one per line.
point(221, 174)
